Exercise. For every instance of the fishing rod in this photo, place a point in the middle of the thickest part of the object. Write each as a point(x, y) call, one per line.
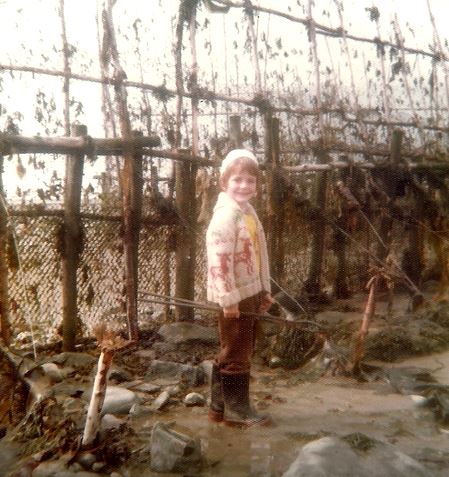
point(183, 302)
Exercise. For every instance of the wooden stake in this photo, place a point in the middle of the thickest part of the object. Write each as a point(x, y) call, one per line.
point(132, 182)
point(368, 314)
point(66, 56)
point(96, 401)
point(109, 342)
point(72, 243)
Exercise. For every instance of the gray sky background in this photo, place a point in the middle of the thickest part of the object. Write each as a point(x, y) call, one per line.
point(32, 32)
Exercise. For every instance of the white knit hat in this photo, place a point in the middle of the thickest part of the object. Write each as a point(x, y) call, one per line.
point(234, 155)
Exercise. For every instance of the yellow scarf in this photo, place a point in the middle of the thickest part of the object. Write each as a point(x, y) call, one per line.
point(251, 225)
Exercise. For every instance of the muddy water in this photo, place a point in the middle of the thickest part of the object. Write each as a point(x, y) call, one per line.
point(305, 411)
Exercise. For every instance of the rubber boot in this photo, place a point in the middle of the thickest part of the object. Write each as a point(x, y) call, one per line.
point(238, 411)
point(216, 407)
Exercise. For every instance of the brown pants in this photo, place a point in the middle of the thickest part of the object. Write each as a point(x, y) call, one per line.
point(237, 337)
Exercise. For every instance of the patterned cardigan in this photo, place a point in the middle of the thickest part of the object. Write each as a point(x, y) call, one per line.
point(232, 271)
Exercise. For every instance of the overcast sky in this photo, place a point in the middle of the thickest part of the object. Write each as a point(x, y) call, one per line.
point(32, 32)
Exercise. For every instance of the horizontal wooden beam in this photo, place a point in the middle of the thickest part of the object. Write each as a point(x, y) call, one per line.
point(11, 144)
point(443, 166)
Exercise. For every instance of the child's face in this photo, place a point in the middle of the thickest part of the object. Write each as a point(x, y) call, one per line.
point(241, 187)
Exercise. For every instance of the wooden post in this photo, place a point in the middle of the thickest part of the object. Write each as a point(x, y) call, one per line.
point(186, 245)
point(186, 182)
point(72, 242)
point(275, 209)
point(344, 225)
point(4, 289)
point(386, 222)
point(132, 181)
point(313, 282)
point(235, 132)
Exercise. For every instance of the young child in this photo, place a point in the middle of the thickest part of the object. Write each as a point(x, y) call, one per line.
point(239, 281)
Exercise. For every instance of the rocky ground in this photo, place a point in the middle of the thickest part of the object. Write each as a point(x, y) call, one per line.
point(391, 421)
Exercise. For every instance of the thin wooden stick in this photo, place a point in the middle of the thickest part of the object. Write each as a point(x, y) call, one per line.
point(180, 302)
point(316, 63)
point(250, 15)
point(355, 98)
point(385, 88)
point(65, 51)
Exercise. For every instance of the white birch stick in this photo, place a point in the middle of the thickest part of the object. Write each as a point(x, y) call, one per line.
point(97, 399)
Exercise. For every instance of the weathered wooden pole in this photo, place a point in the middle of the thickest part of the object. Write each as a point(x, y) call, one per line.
point(72, 242)
point(275, 209)
point(386, 222)
point(313, 283)
point(186, 245)
point(235, 132)
point(186, 192)
point(4, 289)
point(132, 182)
point(413, 256)
point(344, 225)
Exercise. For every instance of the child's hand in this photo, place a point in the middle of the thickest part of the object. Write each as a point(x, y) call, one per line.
point(231, 311)
point(266, 303)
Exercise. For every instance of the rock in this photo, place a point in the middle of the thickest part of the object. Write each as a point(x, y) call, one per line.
point(161, 348)
point(161, 401)
point(98, 466)
point(71, 389)
point(186, 332)
point(75, 467)
point(147, 388)
point(356, 455)
point(53, 467)
point(194, 399)
point(86, 460)
point(173, 390)
point(172, 451)
point(75, 360)
point(120, 375)
point(47, 468)
point(53, 372)
point(117, 400)
point(108, 423)
point(139, 410)
point(192, 375)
